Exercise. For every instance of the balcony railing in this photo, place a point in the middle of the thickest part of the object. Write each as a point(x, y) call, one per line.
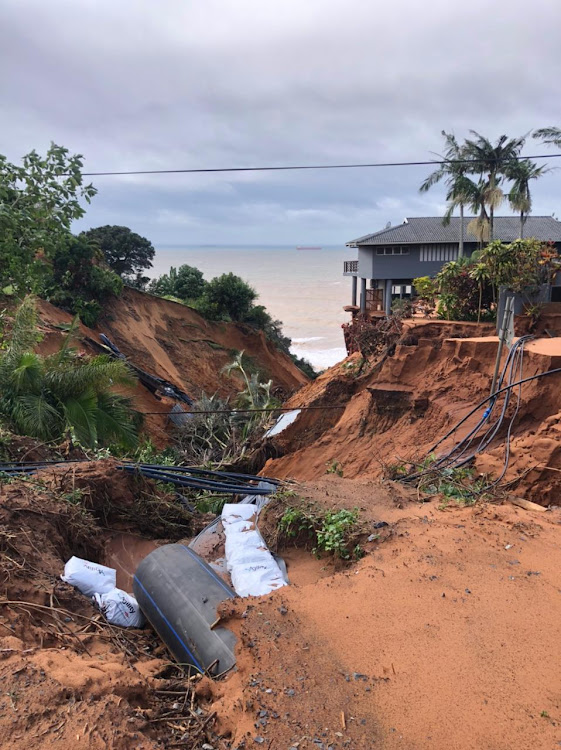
point(350, 266)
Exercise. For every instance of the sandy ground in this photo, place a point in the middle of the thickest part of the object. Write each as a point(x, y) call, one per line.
point(445, 636)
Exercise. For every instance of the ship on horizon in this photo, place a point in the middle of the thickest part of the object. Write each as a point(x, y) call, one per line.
point(309, 247)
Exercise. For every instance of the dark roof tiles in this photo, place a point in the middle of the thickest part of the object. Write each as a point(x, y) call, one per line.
point(430, 229)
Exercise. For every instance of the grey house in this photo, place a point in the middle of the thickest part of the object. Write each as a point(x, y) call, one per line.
point(390, 259)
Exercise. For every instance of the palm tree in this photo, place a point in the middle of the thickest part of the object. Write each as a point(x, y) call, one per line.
point(491, 162)
point(549, 135)
point(47, 397)
point(454, 171)
point(480, 273)
point(521, 171)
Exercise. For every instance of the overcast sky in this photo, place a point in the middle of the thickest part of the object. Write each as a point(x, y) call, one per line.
point(139, 84)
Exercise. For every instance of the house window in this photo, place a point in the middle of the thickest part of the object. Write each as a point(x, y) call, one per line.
point(393, 250)
point(441, 252)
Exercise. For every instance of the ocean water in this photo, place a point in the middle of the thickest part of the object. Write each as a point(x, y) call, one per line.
point(305, 289)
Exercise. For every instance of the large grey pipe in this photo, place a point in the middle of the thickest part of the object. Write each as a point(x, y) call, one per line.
point(179, 593)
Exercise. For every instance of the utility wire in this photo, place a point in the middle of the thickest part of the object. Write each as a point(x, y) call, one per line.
point(243, 411)
point(294, 167)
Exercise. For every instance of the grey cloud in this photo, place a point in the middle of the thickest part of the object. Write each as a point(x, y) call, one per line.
point(137, 84)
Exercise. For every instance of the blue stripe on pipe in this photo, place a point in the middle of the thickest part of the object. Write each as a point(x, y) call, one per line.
point(173, 630)
point(211, 571)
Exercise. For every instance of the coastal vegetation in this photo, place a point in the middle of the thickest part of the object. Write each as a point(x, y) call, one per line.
point(481, 175)
point(225, 298)
point(124, 251)
point(468, 288)
point(40, 200)
point(62, 395)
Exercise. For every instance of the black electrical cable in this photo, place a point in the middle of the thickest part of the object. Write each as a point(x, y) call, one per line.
point(221, 482)
point(494, 395)
point(508, 434)
point(245, 411)
point(303, 167)
point(196, 470)
point(449, 458)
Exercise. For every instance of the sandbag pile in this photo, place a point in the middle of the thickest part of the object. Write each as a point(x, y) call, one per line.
point(253, 569)
point(99, 582)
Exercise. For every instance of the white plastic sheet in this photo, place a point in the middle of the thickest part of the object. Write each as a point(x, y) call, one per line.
point(253, 569)
point(90, 578)
point(120, 608)
point(283, 422)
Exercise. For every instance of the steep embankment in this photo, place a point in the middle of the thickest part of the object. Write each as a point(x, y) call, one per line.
point(400, 408)
point(175, 343)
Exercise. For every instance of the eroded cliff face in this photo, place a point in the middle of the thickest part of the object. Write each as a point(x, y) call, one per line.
point(399, 409)
point(175, 343)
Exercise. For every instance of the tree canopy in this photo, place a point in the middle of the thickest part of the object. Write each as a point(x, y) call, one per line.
point(39, 200)
point(186, 283)
point(227, 296)
point(492, 165)
point(125, 252)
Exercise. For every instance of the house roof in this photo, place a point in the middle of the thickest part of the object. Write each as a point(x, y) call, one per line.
point(430, 229)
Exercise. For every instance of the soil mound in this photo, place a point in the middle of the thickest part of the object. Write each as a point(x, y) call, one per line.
point(175, 343)
point(400, 407)
point(67, 678)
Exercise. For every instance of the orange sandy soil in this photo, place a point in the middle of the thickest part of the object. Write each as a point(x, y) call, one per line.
point(446, 635)
point(175, 343)
point(67, 679)
point(398, 409)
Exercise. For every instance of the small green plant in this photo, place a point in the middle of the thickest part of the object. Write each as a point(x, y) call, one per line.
point(331, 532)
point(206, 502)
point(334, 531)
point(147, 453)
point(544, 715)
point(75, 496)
point(395, 470)
point(403, 308)
point(334, 467)
point(295, 522)
point(455, 484)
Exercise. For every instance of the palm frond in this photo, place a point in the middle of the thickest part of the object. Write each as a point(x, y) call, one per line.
point(97, 374)
point(114, 418)
point(80, 413)
point(23, 338)
point(479, 227)
point(550, 135)
point(27, 373)
point(32, 415)
point(66, 352)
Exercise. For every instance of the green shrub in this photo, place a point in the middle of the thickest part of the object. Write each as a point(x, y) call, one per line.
point(39, 200)
point(332, 532)
point(62, 394)
point(78, 282)
point(227, 297)
point(184, 284)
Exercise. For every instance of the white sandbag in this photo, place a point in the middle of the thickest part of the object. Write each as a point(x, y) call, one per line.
point(253, 569)
point(120, 608)
point(90, 578)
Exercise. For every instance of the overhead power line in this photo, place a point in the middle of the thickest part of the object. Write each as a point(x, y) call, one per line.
point(294, 167)
point(245, 411)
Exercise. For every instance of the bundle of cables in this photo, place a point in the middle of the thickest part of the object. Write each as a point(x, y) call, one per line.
point(489, 425)
point(179, 476)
